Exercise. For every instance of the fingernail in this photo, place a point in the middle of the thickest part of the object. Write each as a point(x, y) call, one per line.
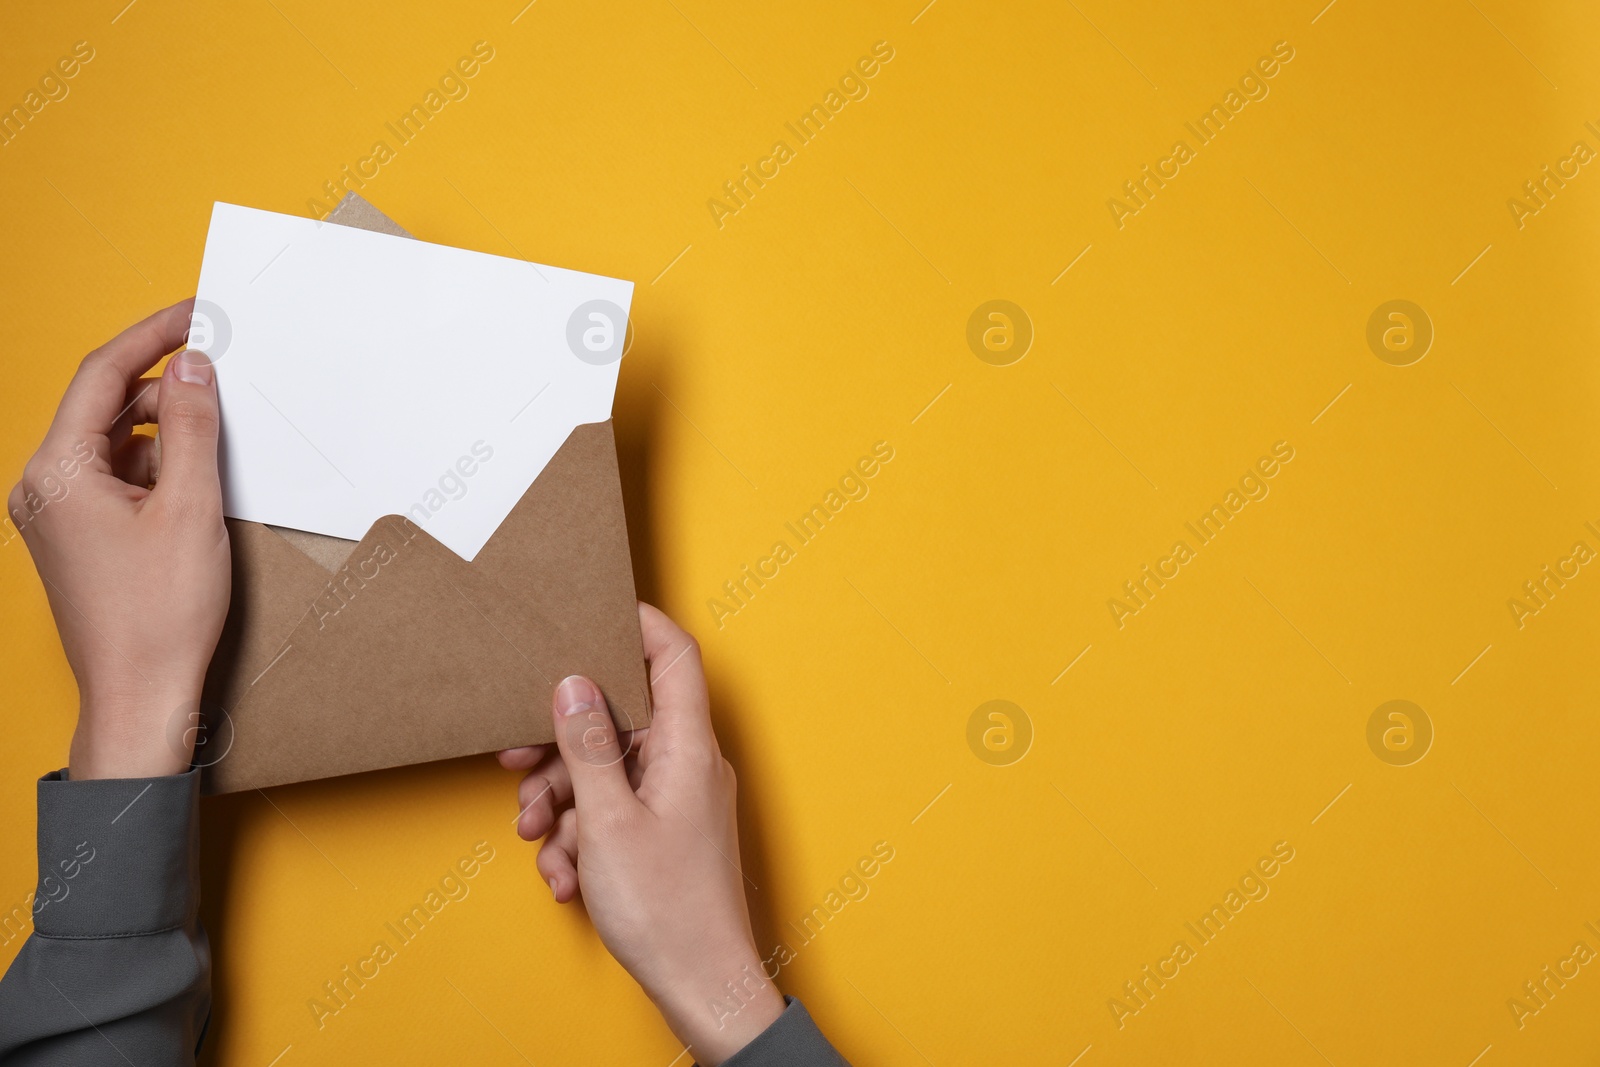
point(575, 693)
point(192, 367)
point(553, 887)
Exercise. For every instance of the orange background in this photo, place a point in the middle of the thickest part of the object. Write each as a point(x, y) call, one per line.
point(830, 312)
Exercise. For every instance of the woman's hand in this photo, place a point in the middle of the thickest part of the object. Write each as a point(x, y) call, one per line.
point(138, 577)
point(653, 845)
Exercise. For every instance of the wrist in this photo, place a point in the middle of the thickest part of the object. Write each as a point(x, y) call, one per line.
point(721, 1008)
point(133, 736)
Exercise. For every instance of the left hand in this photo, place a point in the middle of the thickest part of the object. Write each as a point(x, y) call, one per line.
point(138, 577)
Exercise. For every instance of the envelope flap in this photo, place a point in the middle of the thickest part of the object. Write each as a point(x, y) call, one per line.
point(411, 654)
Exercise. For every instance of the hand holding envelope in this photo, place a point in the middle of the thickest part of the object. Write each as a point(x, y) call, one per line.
point(421, 481)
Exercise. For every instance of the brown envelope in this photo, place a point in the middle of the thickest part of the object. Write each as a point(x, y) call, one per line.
point(342, 656)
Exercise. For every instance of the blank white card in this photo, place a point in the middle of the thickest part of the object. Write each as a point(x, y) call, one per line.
point(363, 375)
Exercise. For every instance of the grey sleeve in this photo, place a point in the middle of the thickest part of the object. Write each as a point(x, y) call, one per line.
point(792, 1041)
point(117, 970)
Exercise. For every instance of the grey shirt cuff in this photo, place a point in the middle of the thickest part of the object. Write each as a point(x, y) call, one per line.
point(117, 856)
point(118, 970)
point(793, 1040)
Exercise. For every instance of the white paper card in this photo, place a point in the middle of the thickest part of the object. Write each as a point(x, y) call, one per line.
point(363, 375)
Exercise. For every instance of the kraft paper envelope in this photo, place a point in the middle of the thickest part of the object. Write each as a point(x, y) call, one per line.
point(341, 656)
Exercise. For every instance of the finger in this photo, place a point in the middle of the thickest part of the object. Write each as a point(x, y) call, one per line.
point(138, 461)
point(143, 397)
point(190, 421)
point(634, 744)
point(558, 857)
point(545, 789)
point(588, 741)
point(524, 758)
point(680, 704)
point(99, 389)
point(677, 675)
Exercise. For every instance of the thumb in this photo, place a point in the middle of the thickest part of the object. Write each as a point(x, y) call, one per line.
point(587, 739)
point(189, 420)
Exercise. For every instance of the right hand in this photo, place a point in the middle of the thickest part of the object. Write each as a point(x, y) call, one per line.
point(652, 842)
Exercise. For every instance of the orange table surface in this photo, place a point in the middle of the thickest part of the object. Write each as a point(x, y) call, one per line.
point(1234, 368)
